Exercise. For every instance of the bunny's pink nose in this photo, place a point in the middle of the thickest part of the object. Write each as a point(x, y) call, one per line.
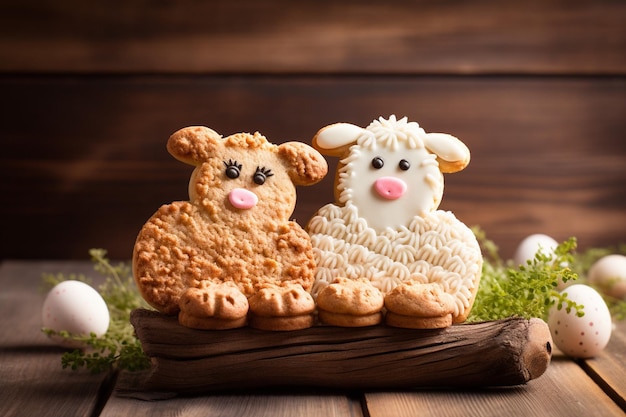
point(390, 188)
point(242, 199)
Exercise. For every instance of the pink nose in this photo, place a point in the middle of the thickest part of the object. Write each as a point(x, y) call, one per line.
point(242, 199)
point(390, 188)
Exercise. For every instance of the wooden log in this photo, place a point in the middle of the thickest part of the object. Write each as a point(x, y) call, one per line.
point(496, 353)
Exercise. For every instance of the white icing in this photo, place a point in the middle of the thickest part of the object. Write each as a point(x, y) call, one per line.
point(447, 147)
point(338, 135)
point(444, 250)
point(420, 187)
point(392, 140)
point(358, 186)
point(401, 236)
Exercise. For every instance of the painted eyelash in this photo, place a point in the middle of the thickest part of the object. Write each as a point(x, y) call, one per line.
point(233, 169)
point(261, 175)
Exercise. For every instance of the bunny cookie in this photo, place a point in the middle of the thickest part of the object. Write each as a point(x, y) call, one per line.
point(230, 256)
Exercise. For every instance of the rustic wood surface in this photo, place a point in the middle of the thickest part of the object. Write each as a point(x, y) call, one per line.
point(33, 383)
point(377, 357)
point(90, 93)
point(537, 90)
point(279, 36)
point(535, 166)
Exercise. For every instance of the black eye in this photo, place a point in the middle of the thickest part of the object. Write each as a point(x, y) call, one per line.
point(261, 175)
point(404, 165)
point(378, 162)
point(233, 169)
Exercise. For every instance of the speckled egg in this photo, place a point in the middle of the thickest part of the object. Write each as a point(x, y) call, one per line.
point(609, 274)
point(586, 336)
point(77, 308)
point(531, 245)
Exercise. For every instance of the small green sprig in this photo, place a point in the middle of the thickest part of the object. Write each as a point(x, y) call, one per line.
point(505, 290)
point(527, 290)
point(118, 348)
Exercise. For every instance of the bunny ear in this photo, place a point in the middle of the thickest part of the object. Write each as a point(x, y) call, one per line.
point(305, 165)
point(194, 144)
point(452, 154)
point(335, 139)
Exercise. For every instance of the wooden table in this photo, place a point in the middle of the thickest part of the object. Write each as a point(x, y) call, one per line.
point(32, 382)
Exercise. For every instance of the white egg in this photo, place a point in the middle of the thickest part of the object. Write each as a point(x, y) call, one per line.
point(586, 336)
point(609, 274)
point(77, 308)
point(531, 245)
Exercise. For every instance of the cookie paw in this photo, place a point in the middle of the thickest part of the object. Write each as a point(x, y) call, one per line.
point(419, 306)
point(350, 303)
point(282, 308)
point(214, 307)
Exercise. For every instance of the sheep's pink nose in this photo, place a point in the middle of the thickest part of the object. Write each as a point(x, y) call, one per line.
point(242, 199)
point(390, 188)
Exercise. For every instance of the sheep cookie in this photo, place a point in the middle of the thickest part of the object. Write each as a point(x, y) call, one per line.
point(385, 225)
point(205, 259)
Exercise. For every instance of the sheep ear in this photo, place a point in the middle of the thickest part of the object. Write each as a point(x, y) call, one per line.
point(194, 144)
point(305, 165)
point(335, 139)
point(452, 154)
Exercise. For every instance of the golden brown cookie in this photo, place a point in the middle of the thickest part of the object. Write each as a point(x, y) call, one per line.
point(417, 306)
point(349, 320)
point(303, 321)
point(346, 296)
point(235, 228)
point(422, 300)
point(281, 308)
point(210, 323)
point(216, 306)
point(413, 322)
point(350, 303)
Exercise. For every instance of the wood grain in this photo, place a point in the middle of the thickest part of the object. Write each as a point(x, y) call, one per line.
point(30, 364)
point(187, 360)
point(278, 36)
point(32, 382)
point(591, 387)
point(84, 161)
point(286, 403)
point(607, 369)
point(563, 391)
point(91, 92)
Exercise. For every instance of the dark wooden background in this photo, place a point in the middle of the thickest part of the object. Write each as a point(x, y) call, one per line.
point(90, 92)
